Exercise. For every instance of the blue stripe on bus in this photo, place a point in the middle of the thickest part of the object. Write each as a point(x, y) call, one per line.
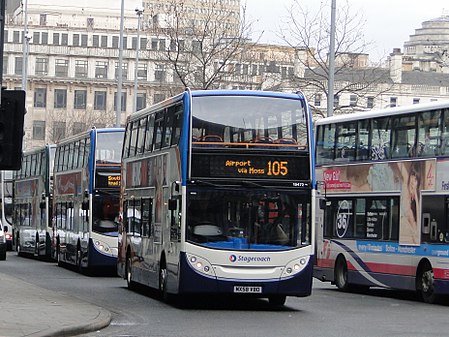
point(184, 143)
point(354, 255)
point(395, 248)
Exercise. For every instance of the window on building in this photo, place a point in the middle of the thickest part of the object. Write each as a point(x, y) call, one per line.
point(143, 43)
point(100, 100)
point(61, 67)
point(58, 131)
point(56, 39)
point(78, 127)
point(352, 100)
point(115, 40)
point(39, 130)
point(64, 39)
point(142, 71)
point(18, 62)
point(84, 40)
point(101, 69)
point(125, 42)
point(134, 43)
point(336, 101)
point(393, 101)
point(76, 40)
point(16, 36)
point(80, 99)
point(90, 23)
point(317, 100)
point(41, 66)
point(60, 98)
point(370, 102)
point(141, 101)
point(81, 68)
point(159, 73)
point(40, 97)
point(44, 38)
point(43, 19)
point(36, 38)
point(104, 41)
point(124, 70)
point(95, 41)
point(5, 65)
point(123, 101)
point(416, 101)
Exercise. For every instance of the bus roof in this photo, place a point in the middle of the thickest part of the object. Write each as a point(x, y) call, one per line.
point(88, 132)
point(201, 93)
point(384, 112)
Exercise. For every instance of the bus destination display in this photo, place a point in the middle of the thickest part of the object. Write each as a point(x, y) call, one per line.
point(243, 166)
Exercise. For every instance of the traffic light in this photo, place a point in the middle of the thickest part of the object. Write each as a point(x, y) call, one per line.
point(12, 112)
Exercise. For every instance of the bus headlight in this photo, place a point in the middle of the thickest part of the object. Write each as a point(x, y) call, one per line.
point(200, 264)
point(295, 266)
point(103, 247)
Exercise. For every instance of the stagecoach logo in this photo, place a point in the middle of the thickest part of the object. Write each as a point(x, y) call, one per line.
point(249, 259)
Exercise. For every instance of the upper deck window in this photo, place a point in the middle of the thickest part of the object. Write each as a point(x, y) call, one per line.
point(249, 121)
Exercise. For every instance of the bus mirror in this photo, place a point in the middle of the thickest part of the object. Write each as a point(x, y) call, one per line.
point(5, 229)
point(175, 187)
point(323, 203)
point(172, 204)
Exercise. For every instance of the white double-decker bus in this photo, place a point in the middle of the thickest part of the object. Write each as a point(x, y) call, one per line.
point(385, 199)
point(216, 198)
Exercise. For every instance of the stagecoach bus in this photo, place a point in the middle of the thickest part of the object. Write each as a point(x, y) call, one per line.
point(384, 215)
point(31, 206)
point(217, 195)
point(86, 199)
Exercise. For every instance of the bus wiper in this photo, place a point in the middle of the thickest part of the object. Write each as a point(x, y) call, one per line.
point(252, 184)
point(202, 182)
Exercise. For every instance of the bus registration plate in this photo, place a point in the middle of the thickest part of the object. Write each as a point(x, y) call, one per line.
point(247, 289)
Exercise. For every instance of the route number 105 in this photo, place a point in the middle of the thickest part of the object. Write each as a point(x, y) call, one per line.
point(276, 168)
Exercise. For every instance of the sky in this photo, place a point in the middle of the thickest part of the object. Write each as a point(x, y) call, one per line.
point(389, 23)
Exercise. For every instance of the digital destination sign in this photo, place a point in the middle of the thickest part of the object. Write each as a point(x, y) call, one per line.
point(250, 167)
point(108, 180)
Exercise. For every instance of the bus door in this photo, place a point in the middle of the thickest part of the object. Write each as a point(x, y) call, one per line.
point(175, 207)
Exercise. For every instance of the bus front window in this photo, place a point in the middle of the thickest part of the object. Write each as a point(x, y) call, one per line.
point(105, 214)
point(253, 220)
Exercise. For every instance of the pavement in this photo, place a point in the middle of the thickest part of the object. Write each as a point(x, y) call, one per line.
point(28, 310)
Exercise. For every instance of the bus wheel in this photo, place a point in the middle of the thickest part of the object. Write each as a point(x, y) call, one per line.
point(129, 281)
point(36, 247)
point(79, 259)
point(277, 300)
point(163, 280)
point(58, 256)
point(341, 274)
point(426, 284)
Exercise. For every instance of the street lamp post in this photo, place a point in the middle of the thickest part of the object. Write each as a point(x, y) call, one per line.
point(330, 86)
point(139, 12)
point(118, 98)
point(25, 45)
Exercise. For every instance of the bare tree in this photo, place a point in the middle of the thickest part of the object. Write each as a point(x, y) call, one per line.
point(309, 32)
point(75, 121)
point(202, 44)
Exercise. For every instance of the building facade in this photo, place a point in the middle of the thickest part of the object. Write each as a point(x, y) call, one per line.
point(73, 62)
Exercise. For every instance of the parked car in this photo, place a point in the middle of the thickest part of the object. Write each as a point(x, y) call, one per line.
point(2, 243)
